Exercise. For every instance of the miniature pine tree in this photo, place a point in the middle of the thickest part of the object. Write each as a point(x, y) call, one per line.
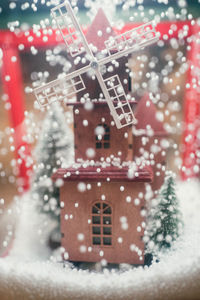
point(53, 150)
point(165, 219)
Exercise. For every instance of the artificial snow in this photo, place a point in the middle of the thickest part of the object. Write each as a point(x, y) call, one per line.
point(27, 274)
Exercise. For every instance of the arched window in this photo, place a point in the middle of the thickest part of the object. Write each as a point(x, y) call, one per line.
point(103, 141)
point(101, 224)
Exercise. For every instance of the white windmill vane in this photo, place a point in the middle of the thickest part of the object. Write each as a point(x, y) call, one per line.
point(115, 47)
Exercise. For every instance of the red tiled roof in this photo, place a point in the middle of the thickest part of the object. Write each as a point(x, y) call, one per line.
point(98, 173)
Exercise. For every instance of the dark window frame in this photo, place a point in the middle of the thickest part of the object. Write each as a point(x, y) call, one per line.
point(104, 143)
point(102, 231)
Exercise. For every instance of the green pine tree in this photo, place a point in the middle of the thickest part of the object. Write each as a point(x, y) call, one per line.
point(54, 149)
point(165, 223)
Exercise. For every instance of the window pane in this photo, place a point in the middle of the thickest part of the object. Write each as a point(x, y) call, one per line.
point(107, 241)
point(106, 137)
point(96, 230)
point(107, 230)
point(98, 205)
point(107, 211)
point(107, 129)
point(98, 145)
point(95, 210)
point(105, 205)
point(96, 220)
point(107, 220)
point(96, 240)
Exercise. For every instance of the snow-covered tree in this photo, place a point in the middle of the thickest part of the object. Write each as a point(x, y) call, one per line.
point(165, 223)
point(54, 149)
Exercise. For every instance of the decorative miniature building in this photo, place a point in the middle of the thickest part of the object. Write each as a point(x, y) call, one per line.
point(102, 214)
point(102, 198)
point(97, 114)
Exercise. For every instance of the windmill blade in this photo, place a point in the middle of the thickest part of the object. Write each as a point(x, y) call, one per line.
point(61, 89)
point(130, 41)
point(70, 29)
point(117, 100)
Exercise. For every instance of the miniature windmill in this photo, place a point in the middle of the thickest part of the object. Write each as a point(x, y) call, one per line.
point(77, 44)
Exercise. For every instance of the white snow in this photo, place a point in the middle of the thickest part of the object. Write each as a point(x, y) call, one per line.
point(27, 274)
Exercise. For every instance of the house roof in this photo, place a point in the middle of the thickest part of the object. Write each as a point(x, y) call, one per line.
point(146, 114)
point(99, 173)
point(99, 31)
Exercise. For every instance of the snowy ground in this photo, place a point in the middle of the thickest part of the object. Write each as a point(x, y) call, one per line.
point(26, 274)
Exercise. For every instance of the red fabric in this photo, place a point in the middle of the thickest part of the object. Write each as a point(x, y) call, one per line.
point(53, 39)
point(14, 89)
point(192, 108)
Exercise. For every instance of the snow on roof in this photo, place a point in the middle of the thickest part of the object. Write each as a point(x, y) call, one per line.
point(127, 171)
point(99, 31)
point(146, 114)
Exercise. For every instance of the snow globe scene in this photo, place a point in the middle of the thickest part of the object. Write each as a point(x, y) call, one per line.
point(99, 149)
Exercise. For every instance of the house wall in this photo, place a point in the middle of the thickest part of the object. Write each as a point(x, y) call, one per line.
point(86, 121)
point(127, 230)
